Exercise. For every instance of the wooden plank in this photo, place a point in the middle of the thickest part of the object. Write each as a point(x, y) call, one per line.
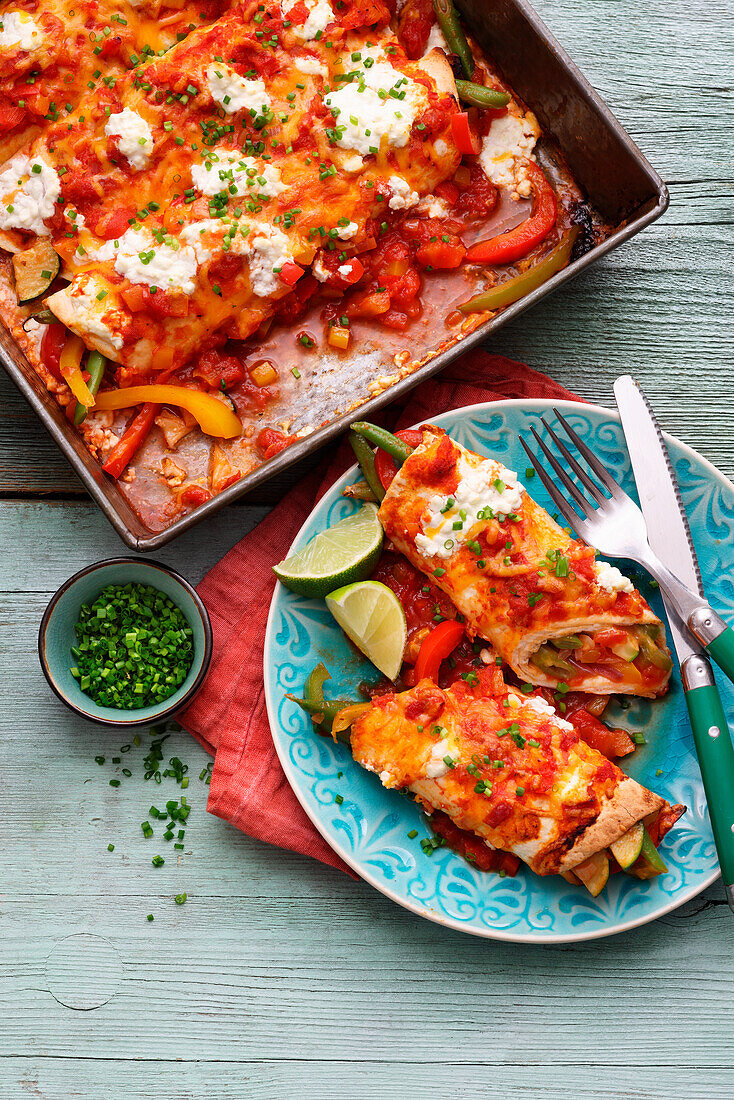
point(88, 1079)
point(268, 939)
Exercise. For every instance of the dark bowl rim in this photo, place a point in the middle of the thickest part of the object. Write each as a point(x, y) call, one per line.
point(160, 715)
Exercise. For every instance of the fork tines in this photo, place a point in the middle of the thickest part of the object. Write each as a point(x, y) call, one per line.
point(586, 507)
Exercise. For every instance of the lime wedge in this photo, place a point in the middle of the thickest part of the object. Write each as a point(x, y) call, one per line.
point(346, 552)
point(371, 615)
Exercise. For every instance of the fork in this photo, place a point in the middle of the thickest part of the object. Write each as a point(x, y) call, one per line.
point(613, 524)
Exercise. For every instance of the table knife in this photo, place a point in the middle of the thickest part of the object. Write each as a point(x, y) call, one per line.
point(670, 538)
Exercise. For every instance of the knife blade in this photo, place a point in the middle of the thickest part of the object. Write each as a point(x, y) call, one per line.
point(669, 537)
point(662, 506)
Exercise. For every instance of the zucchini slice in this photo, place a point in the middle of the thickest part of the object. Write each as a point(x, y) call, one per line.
point(35, 269)
point(627, 849)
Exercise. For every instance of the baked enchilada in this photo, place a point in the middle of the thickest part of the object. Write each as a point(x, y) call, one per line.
point(229, 205)
point(553, 612)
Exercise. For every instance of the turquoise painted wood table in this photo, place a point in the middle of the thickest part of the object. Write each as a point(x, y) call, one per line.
point(279, 978)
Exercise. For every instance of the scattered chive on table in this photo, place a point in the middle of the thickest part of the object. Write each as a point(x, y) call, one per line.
point(237, 971)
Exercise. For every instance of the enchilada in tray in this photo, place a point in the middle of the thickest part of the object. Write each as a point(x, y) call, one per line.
point(267, 212)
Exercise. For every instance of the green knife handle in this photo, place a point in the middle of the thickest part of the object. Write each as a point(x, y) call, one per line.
point(716, 637)
point(716, 759)
point(721, 649)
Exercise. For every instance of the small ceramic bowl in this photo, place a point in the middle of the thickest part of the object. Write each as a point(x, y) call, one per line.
point(56, 636)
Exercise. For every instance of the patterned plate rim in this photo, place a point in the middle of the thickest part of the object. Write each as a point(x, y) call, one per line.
point(680, 898)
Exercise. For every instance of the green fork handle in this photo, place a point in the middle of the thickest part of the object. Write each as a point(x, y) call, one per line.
point(715, 757)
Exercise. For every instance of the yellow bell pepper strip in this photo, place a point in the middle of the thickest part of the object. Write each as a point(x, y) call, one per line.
point(71, 371)
point(343, 719)
point(514, 289)
point(213, 415)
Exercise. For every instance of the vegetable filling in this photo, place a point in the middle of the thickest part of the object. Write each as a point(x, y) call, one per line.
point(634, 653)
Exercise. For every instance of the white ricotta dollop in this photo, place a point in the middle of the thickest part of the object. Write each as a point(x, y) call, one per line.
point(135, 138)
point(224, 170)
point(311, 66)
point(489, 484)
point(346, 232)
point(403, 196)
point(29, 188)
point(366, 112)
point(270, 250)
point(18, 28)
point(435, 207)
point(437, 766)
point(206, 237)
point(320, 15)
point(141, 259)
point(539, 705)
point(92, 315)
point(510, 138)
point(609, 577)
point(233, 92)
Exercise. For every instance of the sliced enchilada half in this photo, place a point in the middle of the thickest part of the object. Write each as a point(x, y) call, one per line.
point(506, 768)
point(556, 615)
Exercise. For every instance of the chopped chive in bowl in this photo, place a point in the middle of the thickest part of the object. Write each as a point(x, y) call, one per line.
point(134, 647)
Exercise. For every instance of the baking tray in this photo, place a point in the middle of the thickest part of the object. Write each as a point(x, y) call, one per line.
point(618, 182)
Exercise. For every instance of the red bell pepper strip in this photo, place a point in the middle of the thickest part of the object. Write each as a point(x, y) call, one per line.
point(52, 344)
point(611, 743)
point(384, 463)
point(135, 435)
point(516, 243)
point(465, 139)
point(442, 641)
point(290, 273)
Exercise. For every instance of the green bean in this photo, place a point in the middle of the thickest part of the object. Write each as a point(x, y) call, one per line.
point(96, 364)
point(366, 458)
point(478, 96)
point(448, 21)
point(383, 439)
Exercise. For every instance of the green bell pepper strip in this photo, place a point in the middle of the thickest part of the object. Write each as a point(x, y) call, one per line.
point(383, 439)
point(476, 95)
point(96, 364)
point(514, 289)
point(360, 490)
point(315, 704)
point(366, 459)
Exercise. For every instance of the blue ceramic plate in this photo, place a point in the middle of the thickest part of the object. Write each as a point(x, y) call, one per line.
point(369, 829)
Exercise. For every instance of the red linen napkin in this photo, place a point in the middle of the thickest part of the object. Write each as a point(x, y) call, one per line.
point(228, 717)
